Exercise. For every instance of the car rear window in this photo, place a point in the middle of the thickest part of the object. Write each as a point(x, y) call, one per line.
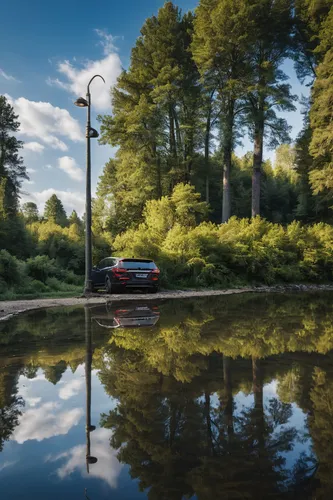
point(137, 264)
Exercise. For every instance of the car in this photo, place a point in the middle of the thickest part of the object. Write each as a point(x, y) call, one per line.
point(117, 274)
point(126, 316)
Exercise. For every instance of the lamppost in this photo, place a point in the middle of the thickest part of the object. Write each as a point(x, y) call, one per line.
point(91, 133)
point(89, 428)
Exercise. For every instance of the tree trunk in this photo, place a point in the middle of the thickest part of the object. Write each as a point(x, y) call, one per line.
point(257, 163)
point(172, 138)
point(207, 138)
point(229, 403)
point(258, 414)
point(157, 161)
point(159, 183)
point(227, 154)
point(178, 134)
point(210, 444)
point(226, 208)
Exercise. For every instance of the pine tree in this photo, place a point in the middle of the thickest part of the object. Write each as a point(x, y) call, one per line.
point(156, 110)
point(12, 170)
point(321, 115)
point(271, 41)
point(74, 218)
point(219, 46)
point(54, 211)
point(308, 18)
point(30, 212)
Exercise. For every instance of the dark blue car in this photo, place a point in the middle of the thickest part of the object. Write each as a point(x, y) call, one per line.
point(116, 274)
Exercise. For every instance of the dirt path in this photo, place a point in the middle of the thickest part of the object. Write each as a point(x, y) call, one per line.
point(9, 308)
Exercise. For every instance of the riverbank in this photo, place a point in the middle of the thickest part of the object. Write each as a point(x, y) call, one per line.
point(13, 307)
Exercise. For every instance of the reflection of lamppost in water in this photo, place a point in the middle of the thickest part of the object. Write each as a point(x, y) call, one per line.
point(89, 428)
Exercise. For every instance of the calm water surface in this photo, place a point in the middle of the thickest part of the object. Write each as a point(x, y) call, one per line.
point(227, 398)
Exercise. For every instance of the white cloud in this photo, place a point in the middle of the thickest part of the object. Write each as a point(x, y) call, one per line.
point(30, 401)
point(107, 468)
point(8, 77)
point(48, 167)
point(78, 76)
point(71, 388)
point(45, 122)
point(45, 422)
point(29, 182)
point(7, 464)
point(69, 166)
point(107, 41)
point(72, 200)
point(31, 170)
point(36, 147)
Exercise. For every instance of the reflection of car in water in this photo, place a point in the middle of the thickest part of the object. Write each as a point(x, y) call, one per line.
point(125, 316)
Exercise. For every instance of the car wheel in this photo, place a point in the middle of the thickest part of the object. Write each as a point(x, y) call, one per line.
point(108, 285)
point(154, 290)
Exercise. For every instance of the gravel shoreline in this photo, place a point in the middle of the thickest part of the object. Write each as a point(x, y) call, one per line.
point(12, 307)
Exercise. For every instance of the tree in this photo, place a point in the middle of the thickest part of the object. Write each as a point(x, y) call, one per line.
point(308, 18)
point(267, 90)
point(74, 218)
point(321, 115)
point(156, 111)
point(12, 170)
point(54, 211)
point(30, 212)
point(219, 46)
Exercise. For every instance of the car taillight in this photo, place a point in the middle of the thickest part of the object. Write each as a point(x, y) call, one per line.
point(120, 272)
point(155, 274)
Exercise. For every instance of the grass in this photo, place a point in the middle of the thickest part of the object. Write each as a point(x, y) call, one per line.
point(56, 294)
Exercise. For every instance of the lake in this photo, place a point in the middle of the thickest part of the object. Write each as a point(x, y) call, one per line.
point(224, 397)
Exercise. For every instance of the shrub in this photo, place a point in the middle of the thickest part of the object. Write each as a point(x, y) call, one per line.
point(9, 268)
point(41, 268)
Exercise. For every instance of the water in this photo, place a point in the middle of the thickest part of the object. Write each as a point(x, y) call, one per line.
point(227, 397)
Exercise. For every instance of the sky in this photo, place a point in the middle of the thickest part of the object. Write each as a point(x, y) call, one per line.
point(49, 52)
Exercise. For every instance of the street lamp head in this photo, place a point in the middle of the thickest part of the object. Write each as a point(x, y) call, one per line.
point(92, 133)
point(81, 102)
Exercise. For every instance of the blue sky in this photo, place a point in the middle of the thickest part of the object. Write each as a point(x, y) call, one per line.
point(49, 51)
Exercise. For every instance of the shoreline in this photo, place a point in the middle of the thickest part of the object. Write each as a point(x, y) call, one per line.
point(11, 308)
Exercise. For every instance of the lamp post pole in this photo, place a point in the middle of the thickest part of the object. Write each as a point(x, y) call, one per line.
point(90, 133)
point(88, 246)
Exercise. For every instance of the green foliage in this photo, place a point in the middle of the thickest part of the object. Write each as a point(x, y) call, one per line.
point(55, 212)
point(12, 170)
point(233, 254)
point(9, 269)
point(30, 212)
point(321, 115)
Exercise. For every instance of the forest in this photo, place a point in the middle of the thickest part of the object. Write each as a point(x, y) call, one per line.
point(197, 85)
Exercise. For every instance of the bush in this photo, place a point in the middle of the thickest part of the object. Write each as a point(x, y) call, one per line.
point(41, 268)
point(241, 251)
point(9, 268)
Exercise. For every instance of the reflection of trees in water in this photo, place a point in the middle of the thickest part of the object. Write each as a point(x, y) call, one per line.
point(10, 403)
point(177, 442)
point(177, 424)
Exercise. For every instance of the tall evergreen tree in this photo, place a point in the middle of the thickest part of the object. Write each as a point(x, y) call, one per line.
point(271, 40)
point(74, 218)
point(12, 170)
point(321, 114)
point(156, 109)
point(30, 212)
point(308, 17)
point(219, 47)
point(54, 211)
